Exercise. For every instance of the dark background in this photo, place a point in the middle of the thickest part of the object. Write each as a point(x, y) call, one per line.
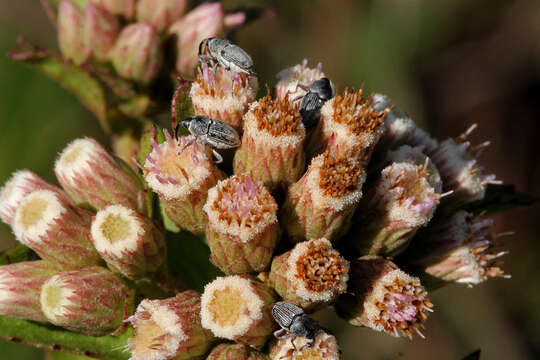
point(448, 63)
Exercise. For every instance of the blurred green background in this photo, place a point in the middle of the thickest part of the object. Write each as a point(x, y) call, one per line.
point(448, 63)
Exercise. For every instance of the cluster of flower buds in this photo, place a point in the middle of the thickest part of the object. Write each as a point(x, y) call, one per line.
point(94, 222)
point(309, 236)
point(132, 34)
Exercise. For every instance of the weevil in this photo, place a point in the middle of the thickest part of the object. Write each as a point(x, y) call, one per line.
point(319, 92)
point(294, 321)
point(213, 132)
point(228, 55)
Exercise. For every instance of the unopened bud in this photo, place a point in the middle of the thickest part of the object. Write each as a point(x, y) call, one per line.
point(160, 13)
point(100, 31)
point(91, 301)
point(92, 177)
point(124, 8)
point(137, 54)
point(130, 243)
point(15, 189)
point(205, 21)
point(70, 32)
point(48, 223)
point(20, 286)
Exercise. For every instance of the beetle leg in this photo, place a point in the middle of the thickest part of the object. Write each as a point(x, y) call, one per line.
point(308, 344)
point(231, 76)
point(219, 158)
point(281, 333)
point(205, 58)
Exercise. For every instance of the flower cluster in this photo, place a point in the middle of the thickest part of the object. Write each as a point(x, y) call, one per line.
point(131, 34)
point(363, 212)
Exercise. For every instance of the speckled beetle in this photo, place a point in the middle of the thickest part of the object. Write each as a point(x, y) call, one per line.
point(226, 54)
point(213, 132)
point(317, 94)
point(293, 321)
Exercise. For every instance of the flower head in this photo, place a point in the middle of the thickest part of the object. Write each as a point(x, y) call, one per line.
point(169, 328)
point(384, 298)
point(349, 124)
point(459, 248)
point(456, 160)
point(325, 347)
point(181, 172)
point(310, 275)
point(272, 143)
point(291, 77)
point(323, 201)
point(238, 308)
point(221, 94)
point(399, 203)
point(242, 226)
point(236, 352)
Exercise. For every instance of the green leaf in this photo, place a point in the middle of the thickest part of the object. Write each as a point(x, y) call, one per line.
point(500, 198)
point(181, 106)
point(75, 79)
point(55, 338)
point(111, 99)
point(188, 258)
point(17, 254)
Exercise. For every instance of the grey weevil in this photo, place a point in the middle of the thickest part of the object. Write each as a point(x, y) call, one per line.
point(294, 321)
point(231, 57)
point(226, 54)
point(319, 92)
point(213, 132)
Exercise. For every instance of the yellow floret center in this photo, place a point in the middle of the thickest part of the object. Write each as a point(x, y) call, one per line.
point(145, 339)
point(32, 211)
point(116, 228)
point(227, 306)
